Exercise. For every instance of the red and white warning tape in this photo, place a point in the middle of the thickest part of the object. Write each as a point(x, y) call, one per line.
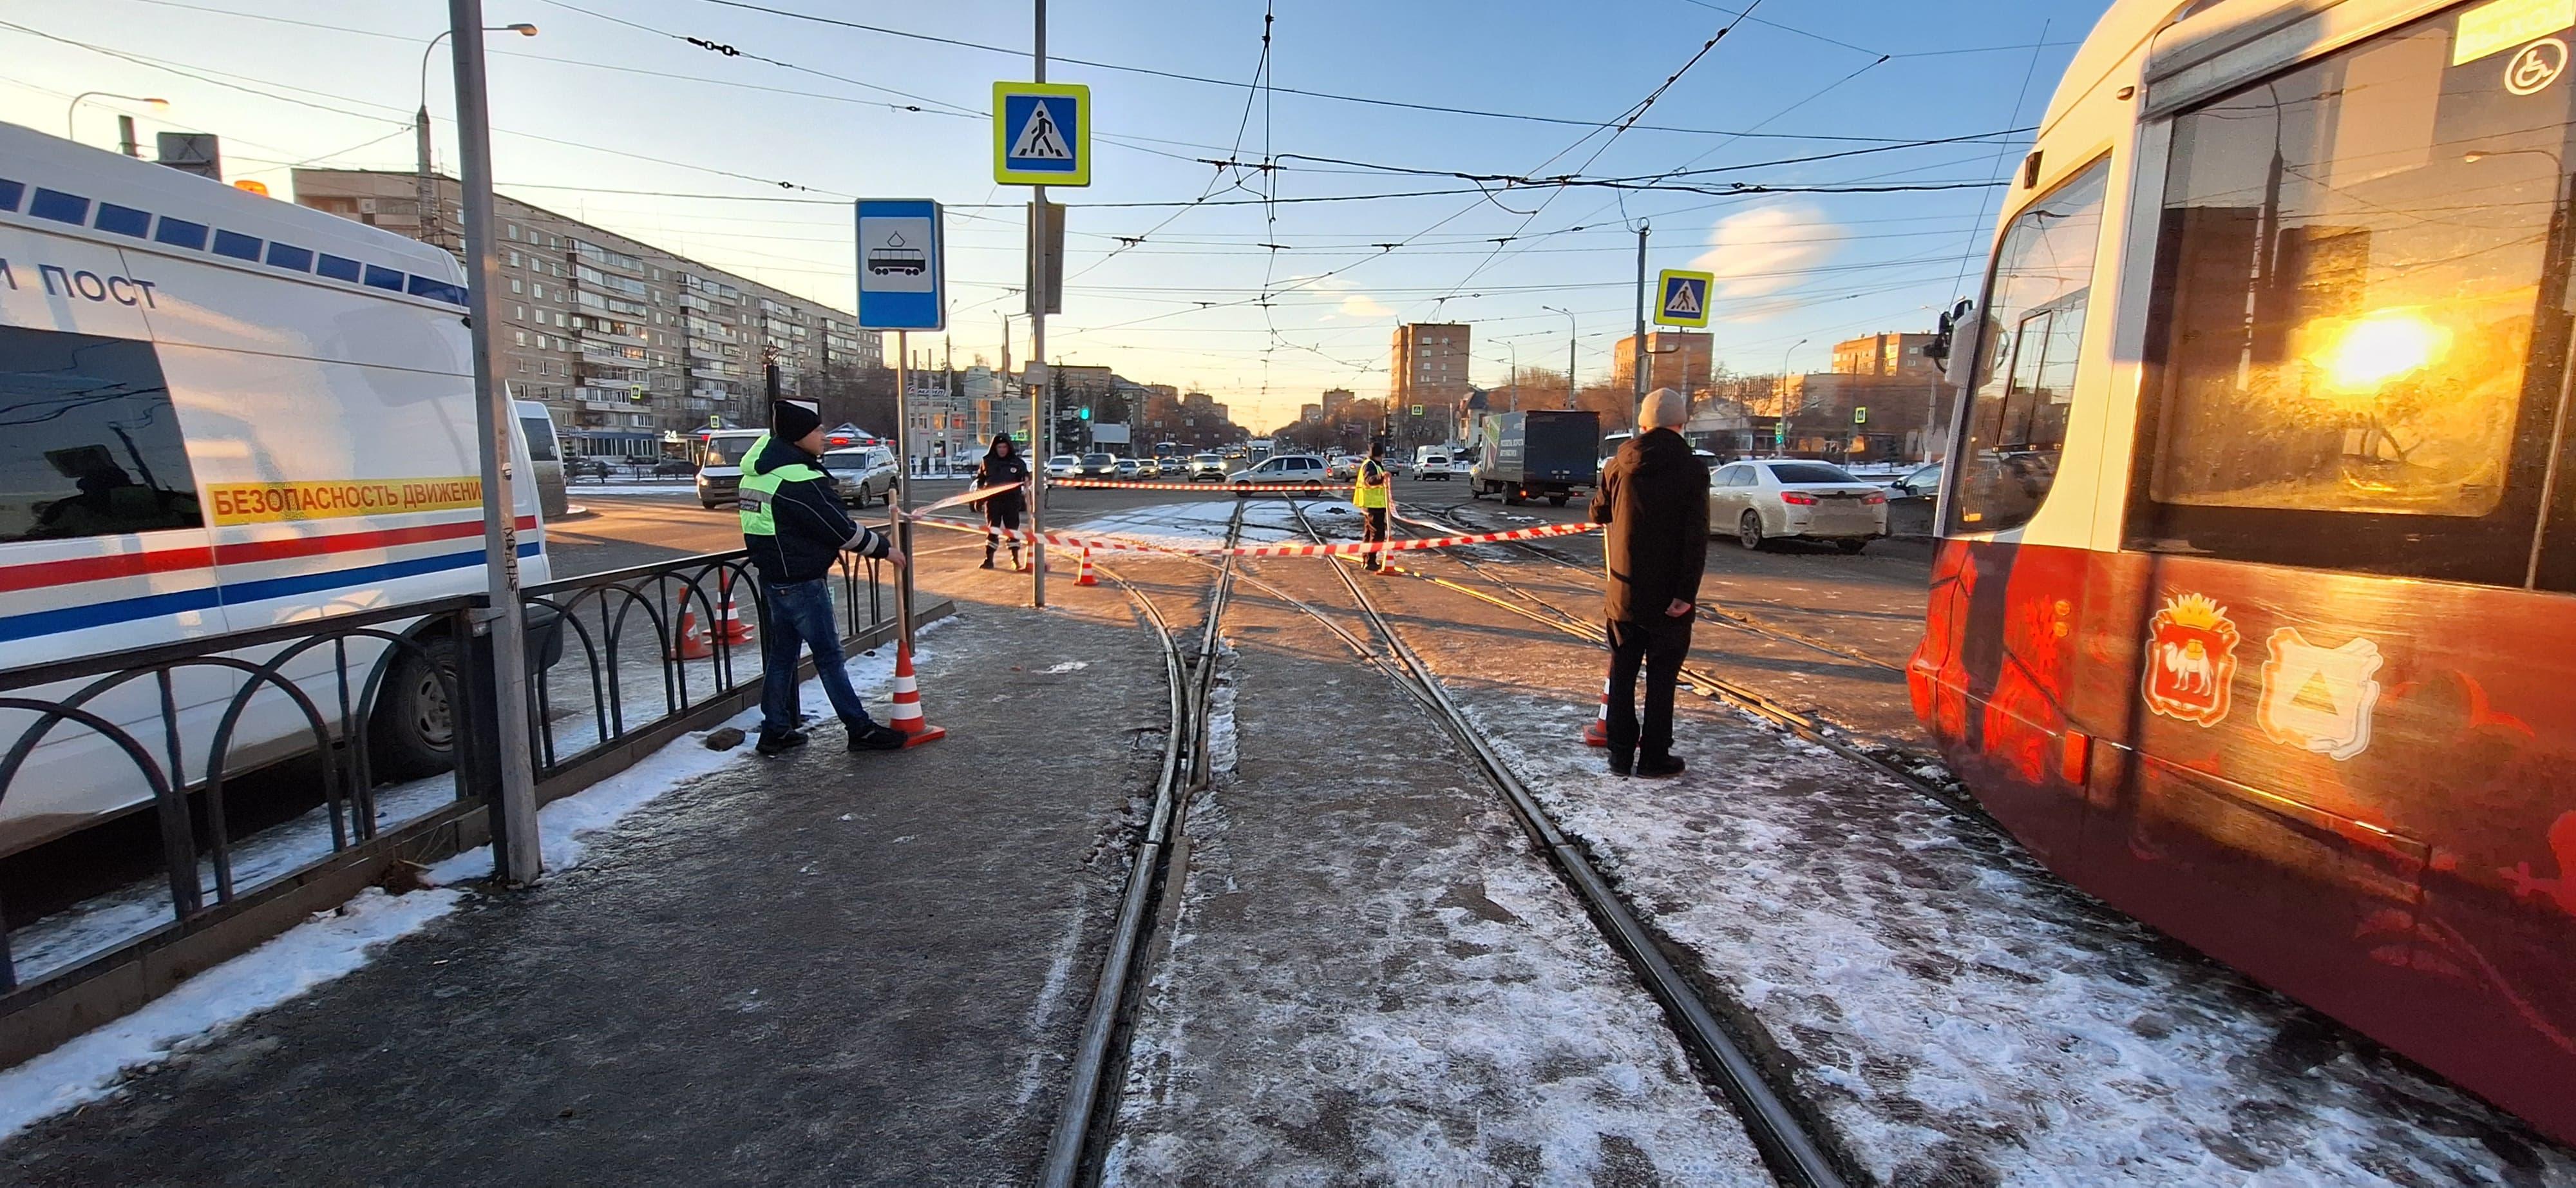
point(1125, 544)
point(970, 496)
point(1219, 488)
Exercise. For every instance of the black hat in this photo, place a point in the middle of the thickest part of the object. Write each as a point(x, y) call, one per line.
point(791, 420)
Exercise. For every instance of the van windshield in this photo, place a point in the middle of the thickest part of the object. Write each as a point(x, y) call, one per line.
point(727, 451)
point(541, 438)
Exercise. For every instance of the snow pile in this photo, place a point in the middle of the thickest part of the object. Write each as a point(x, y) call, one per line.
point(1959, 1014)
point(335, 943)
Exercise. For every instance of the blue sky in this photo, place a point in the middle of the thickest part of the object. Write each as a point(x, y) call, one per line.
point(1199, 301)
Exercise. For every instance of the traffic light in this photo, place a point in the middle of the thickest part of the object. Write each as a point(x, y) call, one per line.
point(1085, 414)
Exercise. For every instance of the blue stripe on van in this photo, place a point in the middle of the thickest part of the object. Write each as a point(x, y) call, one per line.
point(60, 207)
point(151, 606)
point(124, 220)
point(101, 614)
point(63, 207)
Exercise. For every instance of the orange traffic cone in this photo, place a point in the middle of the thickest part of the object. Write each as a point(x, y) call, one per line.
point(907, 703)
point(1086, 579)
point(730, 621)
point(1596, 733)
point(693, 643)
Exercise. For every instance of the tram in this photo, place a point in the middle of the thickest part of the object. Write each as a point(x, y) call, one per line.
point(2254, 612)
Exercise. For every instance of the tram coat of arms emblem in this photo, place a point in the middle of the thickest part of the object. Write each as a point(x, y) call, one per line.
point(2191, 660)
point(2319, 699)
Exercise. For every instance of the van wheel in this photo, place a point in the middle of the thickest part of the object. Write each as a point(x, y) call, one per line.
point(1748, 531)
point(1558, 500)
point(414, 727)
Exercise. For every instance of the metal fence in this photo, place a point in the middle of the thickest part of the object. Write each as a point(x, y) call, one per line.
point(619, 662)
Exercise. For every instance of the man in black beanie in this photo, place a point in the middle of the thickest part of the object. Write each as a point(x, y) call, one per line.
point(793, 525)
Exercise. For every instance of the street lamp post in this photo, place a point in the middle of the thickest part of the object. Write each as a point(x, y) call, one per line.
point(124, 123)
point(425, 192)
point(1780, 395)
point(1569, 351)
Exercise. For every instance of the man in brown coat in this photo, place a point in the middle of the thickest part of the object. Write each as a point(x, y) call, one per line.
point(1653, 502)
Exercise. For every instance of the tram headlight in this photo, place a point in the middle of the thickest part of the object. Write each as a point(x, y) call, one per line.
point(2376, 348)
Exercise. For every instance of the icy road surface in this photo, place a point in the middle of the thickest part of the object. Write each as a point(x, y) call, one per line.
point(1960, 1015)
point(1373, 979)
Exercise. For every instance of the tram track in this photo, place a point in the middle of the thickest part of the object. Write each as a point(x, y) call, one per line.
point(1077, 1142)
point(1793, 1142)
point(1894, 764)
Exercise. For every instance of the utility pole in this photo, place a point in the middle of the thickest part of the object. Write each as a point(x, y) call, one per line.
point(1637, 344)
point(125, 137)
point(424, 182)
point(1041, 392)
point(517, 857)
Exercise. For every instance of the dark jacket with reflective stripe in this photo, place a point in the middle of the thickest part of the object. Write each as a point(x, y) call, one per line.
point(1654, 498)
point(811, 528)
point(1002, 472)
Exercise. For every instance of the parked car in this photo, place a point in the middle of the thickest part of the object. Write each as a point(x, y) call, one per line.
point(593, 469)
point(862, 474)
point(1284, 468)
point(1922, 482)
point(1064, 466)
point(1100, 466)
point(1207, 466)
point(1149, 468)
point(1344, 467)
point(674, 468)
point(1128, 468)
point(1763, 501)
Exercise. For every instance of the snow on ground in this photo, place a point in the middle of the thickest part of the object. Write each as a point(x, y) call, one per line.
point(337, 942)
point(1960, 1015)
point(1374, 979)
point(672, 487)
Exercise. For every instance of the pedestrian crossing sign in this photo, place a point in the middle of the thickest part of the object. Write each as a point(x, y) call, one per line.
point(1041, 134)
point(1684, 300)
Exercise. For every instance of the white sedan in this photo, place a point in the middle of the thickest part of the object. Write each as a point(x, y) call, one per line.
point(1064, 466)
point(1765, 500)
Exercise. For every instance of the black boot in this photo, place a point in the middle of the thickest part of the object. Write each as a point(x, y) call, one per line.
point(1015, 559)
point(988, 558)
point(1660, 767)
point(1622, 762)
point(780, 744)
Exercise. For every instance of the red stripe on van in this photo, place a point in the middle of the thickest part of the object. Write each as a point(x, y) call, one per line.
point(41, 574)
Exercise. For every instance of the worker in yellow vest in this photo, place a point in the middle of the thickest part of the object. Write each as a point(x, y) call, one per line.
point(1374, 495)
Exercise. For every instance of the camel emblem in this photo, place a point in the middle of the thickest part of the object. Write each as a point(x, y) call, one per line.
point(2191, 660)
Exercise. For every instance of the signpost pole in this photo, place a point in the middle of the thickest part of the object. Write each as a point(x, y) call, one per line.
point(1040, 394)
point(895, 523)
point(517, 859)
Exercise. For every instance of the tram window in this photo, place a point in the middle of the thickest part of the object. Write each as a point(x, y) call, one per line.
point(2358, 333)
point(2026, 357)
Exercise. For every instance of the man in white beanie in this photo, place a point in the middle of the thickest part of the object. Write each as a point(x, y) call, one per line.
point(1653, 503)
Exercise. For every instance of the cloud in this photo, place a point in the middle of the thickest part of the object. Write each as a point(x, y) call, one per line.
point(1361, 305)
point(1754, 252)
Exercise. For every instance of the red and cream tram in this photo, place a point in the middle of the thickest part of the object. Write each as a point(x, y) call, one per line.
point(2254, 607)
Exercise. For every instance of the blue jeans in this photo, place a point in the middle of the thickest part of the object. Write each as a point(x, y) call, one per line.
point(800, 613)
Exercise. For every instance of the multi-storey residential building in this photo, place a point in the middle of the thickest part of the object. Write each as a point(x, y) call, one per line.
point(1885, 354)
point(1429, 367)
point(1676, 359)
point(1334, 399)
point(625, 342)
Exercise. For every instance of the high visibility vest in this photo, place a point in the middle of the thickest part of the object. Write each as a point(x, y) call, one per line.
point(1373, 491)
point(759, 488)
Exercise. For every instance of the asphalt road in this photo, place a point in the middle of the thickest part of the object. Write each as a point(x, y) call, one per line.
point(1815, 629)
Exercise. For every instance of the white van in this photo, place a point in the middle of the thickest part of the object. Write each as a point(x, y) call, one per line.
point(545, 456)
point(720, 458)
point(1431, 462)
point(223, 412)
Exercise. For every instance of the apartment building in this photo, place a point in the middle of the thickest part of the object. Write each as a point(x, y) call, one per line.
point(1676, 359)
point(1429, 367)
point(1885, 354)
point(625, 343)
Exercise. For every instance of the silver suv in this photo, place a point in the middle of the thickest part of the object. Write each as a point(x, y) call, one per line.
point(1299, 469)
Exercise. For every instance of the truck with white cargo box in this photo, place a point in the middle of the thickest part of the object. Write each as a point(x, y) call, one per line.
point(1539, 454)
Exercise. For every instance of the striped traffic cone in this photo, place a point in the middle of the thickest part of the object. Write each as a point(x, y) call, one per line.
point(693, 643)
point(730, 621)
point(1085, 578)
point(1596, 733)
point(907, 703)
